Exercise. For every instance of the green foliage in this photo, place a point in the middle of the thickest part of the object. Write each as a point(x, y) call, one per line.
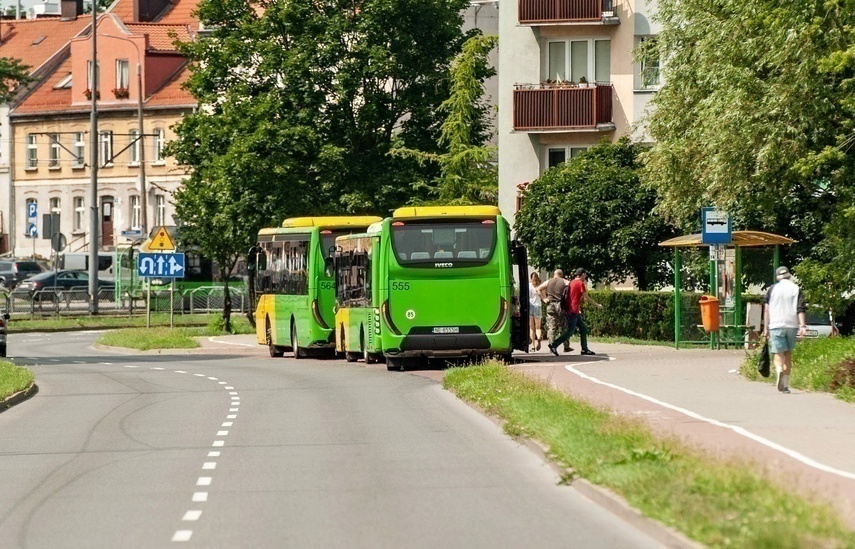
point(467, 174)
point(12, 75)
point(756, 117)
point(146, 339)
point(13, 379)
point(638, 315)
point(593, 212)
point(717, 502)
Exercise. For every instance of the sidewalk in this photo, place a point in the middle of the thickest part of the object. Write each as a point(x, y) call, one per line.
point(807, 440)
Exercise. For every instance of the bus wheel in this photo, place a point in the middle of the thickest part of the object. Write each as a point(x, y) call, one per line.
point(298, 352)
point(369, 358)
point(274, 350)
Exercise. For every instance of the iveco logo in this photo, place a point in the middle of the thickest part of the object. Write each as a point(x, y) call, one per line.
point(440, 265)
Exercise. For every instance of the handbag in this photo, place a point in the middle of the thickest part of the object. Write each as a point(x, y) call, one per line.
point(763, 362)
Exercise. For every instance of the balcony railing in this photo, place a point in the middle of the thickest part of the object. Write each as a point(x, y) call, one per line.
point(540, 107)
point(564, 11)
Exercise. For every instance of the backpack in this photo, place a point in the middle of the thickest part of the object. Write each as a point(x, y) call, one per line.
point(565, 298)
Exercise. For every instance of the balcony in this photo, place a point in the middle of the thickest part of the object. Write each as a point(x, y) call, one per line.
point(566, 12)
point(556, 108)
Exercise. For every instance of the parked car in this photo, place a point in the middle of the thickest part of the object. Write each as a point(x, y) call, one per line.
point(13, 271)
point(820, 323)
point(50, 284)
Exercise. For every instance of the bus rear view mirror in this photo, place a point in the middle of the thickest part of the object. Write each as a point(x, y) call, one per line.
point(329, 266)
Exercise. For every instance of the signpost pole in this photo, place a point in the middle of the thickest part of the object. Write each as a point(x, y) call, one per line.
point(148, 306)
point(172, 305)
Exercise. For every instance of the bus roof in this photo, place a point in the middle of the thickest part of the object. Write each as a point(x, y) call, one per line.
point(331, 222)
point(411, 212)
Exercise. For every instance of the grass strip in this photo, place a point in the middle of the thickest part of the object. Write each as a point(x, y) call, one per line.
point(13, 379)
point(815, 362)
point(240, 324)
point(145, 339)
point(716, 502)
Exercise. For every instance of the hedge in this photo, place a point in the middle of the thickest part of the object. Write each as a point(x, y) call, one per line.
point(640, 315)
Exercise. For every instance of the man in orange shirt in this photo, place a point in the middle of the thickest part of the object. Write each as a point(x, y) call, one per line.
point(573, 306)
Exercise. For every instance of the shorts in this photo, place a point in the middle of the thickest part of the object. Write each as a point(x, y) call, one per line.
point(535, 311)
point(782, 340)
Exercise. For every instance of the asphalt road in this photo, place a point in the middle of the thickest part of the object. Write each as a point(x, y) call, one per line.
point(242, 450)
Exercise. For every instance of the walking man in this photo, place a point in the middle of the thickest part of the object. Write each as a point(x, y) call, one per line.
point(578, 292)
point(550, 292)
point(785, 320)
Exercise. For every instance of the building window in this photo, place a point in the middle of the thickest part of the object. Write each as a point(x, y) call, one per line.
point(106, 148)
point(575, 60)
point(55, 205)
point(134, 149)
point(559, 155)
point(159, 142)
point(79, 214)
point(89, 80)
point(648, 64)
point(136, 212)
point(32, 205)
point(53, 157)
point(32, 151)
point(160, 210)
point(122, 74)
point(79, 159)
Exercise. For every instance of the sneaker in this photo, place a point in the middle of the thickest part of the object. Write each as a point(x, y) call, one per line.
point(553, 350)
point(537, 345)
point(785, 390)
point(588, 352)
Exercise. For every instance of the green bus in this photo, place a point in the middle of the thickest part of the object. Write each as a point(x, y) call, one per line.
point(290, 291)
point(431, 282)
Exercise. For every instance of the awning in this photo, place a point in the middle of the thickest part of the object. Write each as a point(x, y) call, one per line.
point(743, 239)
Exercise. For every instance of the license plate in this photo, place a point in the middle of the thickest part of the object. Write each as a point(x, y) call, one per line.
point(811, 333)
point(447, 330)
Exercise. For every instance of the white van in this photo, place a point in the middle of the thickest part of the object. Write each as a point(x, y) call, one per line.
point(79, 261)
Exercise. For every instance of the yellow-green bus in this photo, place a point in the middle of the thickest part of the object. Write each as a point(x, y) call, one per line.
point(292, 294)
point(431, 282)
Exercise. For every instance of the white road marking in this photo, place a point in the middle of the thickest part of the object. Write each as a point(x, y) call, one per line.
point(233, 409)
point(213, 454)
point(200, 496)
point(215, 340)
point(129, 366)
point(155, 368)
point(232, 392)
point(182, 535)
point(231, 416)
point(192, 515)
point(209, 465)
point(222, 433)
point(227, 424)
point(199, 375)
point(235, 398)
point(212, 378)
point(218, 443)
point(106, 363)
point(223, 382)
point(738, 430)
point(180, 372)
point(203, 481)
point(228, 388)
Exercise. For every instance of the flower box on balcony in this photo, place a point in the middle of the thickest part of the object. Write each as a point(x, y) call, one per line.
point(121, 93)
point(88, 94)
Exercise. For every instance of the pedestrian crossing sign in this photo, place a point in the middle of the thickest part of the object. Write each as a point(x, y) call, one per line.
point(161, 240)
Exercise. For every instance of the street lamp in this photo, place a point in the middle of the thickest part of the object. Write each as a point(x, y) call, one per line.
point(143, 190)
point(93, 184)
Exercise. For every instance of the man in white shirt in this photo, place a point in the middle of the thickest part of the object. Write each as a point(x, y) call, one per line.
point(785, 320)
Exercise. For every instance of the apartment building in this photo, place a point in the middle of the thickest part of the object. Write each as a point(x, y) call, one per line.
point(138, 68)
point(567, 79)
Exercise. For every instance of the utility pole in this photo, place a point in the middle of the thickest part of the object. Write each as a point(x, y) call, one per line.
point(94, 218)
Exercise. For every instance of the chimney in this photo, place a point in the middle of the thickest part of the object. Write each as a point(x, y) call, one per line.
point(70, 9)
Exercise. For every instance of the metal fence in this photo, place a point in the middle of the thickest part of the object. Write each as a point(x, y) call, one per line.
point(75, 301)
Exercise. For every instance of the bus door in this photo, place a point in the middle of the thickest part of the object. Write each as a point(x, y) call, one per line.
point(519, 322)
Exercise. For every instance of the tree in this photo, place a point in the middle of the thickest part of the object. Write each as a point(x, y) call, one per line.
point(593, 212)
point(300, 103)
point(13, 74)
point(467, 174)
point(756, 117)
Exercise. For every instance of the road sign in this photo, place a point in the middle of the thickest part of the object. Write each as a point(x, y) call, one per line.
point(715, 226)
point(32, 210)
point(58, 242)
point(132, 233)
point(32, 230)
point(161, 241)
point(152, 265)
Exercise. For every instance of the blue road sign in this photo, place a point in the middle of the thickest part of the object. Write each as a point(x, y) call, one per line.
point(32, 210)
point(160, 265)
point(32, 230)
point(715, 226)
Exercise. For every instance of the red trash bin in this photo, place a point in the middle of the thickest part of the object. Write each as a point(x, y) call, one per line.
point(709, 313)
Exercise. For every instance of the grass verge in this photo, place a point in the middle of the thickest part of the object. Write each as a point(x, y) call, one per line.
point(13, 379)
point(718, 503)
point(163, 337)
point(816, 365)
point(240, 324)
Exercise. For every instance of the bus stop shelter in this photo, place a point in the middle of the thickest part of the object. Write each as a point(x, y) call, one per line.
point(726, 282)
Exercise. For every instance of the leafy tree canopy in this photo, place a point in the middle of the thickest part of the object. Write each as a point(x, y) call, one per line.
point(593, 212)
point(12, 74)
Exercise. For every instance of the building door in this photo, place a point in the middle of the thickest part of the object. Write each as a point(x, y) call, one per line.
point(106, 221)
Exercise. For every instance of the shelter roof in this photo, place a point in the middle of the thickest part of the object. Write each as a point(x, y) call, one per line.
point(743, 239)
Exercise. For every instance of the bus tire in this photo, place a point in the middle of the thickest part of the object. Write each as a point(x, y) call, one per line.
point(298, 352)
point(368, 358)
point(274, 350)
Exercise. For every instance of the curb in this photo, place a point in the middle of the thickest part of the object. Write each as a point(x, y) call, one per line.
point(605, 498)
point(19, 397)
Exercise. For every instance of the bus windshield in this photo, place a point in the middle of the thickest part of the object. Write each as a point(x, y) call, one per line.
point(452, 243)
point(328, 240)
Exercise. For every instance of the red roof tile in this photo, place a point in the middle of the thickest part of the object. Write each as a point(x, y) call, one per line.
point(172, 93)
point(161, 37)
point(34, 41)
point(179, 13)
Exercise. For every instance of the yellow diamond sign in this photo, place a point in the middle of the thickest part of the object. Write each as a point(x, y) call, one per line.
point(161, 241)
